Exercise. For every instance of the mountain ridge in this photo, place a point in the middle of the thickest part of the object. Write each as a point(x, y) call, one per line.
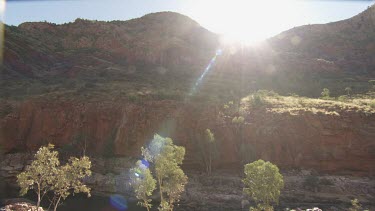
point(167, 46)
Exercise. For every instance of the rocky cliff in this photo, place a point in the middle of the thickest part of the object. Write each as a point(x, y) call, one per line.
point(326, 138)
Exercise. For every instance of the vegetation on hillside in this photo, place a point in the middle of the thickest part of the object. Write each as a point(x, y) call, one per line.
point(296, 105)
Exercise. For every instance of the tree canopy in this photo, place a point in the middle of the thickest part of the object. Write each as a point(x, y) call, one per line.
point(263, 183)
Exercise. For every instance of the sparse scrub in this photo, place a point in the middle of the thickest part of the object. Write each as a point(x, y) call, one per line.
point(342, 98)
point(298, 105)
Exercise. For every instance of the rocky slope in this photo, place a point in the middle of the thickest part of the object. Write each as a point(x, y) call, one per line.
point(348, 43)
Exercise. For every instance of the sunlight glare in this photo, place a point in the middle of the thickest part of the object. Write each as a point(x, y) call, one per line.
point(2, 21)
point(2, 7)
point(246, 21)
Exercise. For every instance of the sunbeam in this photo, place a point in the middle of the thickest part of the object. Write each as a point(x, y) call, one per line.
point(206, 70)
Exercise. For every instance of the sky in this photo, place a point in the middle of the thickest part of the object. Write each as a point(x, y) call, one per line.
point(250, 20)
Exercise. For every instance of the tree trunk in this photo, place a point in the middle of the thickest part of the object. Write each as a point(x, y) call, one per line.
point(57, 204)
point(148, 209)
point(161, 192)
point(38, 203)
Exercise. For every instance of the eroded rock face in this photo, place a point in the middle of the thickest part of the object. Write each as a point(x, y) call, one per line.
point(341, 143)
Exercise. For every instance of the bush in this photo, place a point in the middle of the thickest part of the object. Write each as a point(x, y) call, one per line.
point(263, 183)
point(311, 182)
point(372, 104)
point(257, 100)
point(325, 181)
point(342, 98)
point(325, 94)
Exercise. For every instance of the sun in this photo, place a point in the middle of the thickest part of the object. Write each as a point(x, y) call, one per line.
point(246, 21)
point(2, 7)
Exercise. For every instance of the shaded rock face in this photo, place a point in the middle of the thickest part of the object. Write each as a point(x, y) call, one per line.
point(326, 143)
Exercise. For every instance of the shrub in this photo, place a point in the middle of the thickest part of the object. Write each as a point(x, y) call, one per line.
point(325, 94)
point(342, 98)
point(325, 181)
point(348, 90)
point(372, 104)
point(257, 100)
point(356, 206)
point(311, 182)
point(263, 183)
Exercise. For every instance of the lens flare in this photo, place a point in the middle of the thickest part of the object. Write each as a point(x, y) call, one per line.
point(208, 68)
point(118, 202)
point(145, 163)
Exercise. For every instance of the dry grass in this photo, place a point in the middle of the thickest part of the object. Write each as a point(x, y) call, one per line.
point(295, 105)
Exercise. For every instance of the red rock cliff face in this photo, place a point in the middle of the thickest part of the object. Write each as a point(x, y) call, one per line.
point(327, 143)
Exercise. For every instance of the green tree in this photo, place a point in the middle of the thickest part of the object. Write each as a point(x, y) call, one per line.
point(69, 178)
point(212, 152)
point(166, 159)
point(263, 183)
point(238, 124)
point(325, 94)
point(40, 174)
point(348, 90)
point(234, 113)
point(45, 175)
point(208, 150)
point(356, 206)
point(143, 183)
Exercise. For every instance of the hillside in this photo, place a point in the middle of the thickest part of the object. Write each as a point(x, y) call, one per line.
point(347, 43)
point(161, 55)
point(106, 88)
